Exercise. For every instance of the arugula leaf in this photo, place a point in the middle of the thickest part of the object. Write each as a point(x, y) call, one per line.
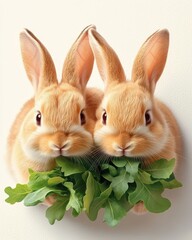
point(150, 194)
point(55, 181)
point(114, 212)
point(79, 184)
point(119, 162)
point(113, 171)
point(92, 191)
point(69, 167)
point(73, 199)
point(38, 196)
point(107, 176)
point(18, 193)
point(171, 182)
point(115, 186)
point(98, 203)
point(38, 180)
point(145, 177)
point(57, 210)
point(132, 166)
point(161, 168)
point(119, 184)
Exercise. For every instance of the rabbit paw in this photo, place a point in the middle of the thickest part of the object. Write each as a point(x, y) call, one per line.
point(139, 209)
point(49, 201)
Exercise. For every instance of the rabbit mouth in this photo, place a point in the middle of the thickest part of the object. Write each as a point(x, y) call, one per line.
point(61, 149)
point(125, 150)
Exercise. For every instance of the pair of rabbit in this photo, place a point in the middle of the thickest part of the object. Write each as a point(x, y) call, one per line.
point(67, 118)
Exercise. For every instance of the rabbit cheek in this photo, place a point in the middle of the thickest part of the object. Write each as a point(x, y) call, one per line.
point(81, 144)
point(142, 148)
point(37, 149)
point(104, 138)
point(107, 146)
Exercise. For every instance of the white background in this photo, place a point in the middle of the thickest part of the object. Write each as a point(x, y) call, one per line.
point(125, 24)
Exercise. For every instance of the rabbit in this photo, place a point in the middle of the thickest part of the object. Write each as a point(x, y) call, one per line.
point(131, 121)
point(59, 120)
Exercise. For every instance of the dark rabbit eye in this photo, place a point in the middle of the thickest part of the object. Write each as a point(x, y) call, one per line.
point(38, 118)
point(82, 117)
point(104, 118)
point(147, 117)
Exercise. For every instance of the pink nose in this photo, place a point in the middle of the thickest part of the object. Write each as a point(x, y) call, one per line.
point(60, 147)
point(63, 147)
point(123, 148)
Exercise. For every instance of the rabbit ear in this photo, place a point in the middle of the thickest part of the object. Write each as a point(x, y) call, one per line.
point(108, 63)
point(38, 63)
point(150, 60)
point(78, 64)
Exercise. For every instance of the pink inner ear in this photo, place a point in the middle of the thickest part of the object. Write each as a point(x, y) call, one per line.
point(84, 61)
point(154, 60)
point(150, 60)
point(35, 74)
point(38, 63)
point(31, 59)
point(108, 63)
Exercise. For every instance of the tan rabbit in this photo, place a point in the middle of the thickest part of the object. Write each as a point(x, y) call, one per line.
point(131, 121)
point(59, 120)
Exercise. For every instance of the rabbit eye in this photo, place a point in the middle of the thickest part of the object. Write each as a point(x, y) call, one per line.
point(38, 118)
point(104, 118)
point(82, 117)
point(147, 117)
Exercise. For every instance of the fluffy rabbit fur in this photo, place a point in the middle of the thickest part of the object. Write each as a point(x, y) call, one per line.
point(60, 119)
point(131, 121)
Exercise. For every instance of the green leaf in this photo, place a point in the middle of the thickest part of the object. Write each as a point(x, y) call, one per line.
point(98, 203)
point(69, 167)
point(79, 184)
point(92, 191)
point(171, 182)
point(145, 177)
point(151, 196)
point(57, 210)
point(114, 212)
point(132, 166)
point(115, 186)
point(104, 166)
point(55, 181)
point(38, 196)
point(113, 171)
point(119, 161)
point(125, 203)
point(73, 199)
point(17, 194)
point(120, 184)
point(38, 180)
point(161, 169)
point(107, 176)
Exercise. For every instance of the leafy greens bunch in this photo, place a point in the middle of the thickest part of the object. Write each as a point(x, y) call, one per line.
point(115, 186)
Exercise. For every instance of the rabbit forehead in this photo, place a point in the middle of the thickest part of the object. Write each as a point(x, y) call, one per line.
point(60, 106)
point(125, 105)
point(128, 95)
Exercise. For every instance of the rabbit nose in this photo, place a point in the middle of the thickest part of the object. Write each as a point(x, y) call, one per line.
point(65, 146)
point(124, 149)
point(128, 147)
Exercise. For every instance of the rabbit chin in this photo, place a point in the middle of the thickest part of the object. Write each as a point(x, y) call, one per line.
point(38, 156)
point(136, 151)
point(41, 157)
